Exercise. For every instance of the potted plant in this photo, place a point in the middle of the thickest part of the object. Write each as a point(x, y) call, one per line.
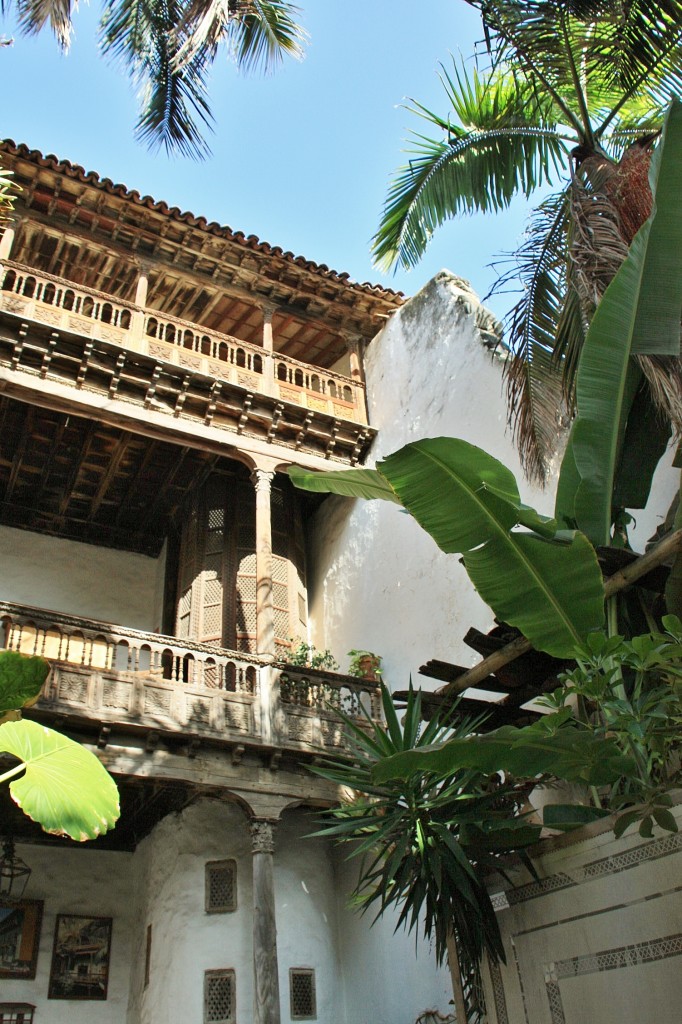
point(364, 665)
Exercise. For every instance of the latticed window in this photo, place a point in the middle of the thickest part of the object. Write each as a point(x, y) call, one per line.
point(219, 997)
point(302, 993)
point(221, 886)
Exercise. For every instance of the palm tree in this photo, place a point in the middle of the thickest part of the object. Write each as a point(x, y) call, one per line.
point(169, 46)
point(576, 89)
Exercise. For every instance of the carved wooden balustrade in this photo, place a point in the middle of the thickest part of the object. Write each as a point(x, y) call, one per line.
point(64, 306)
point(111, 673)
point(310, 698)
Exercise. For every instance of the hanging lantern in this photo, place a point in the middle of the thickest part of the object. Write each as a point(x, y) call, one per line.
point(14, 873)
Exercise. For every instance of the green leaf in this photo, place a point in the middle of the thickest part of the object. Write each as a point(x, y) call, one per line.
point(567, 817)
point(351, 483)
point(551, 591)
point(664, 819)
point(645, 442)
point(624, 821)
point(607, 377)
point(64, 787)
point(21, 679)
point(569, 752)
point(567, 485)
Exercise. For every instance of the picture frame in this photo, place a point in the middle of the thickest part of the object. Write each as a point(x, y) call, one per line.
point(80, 957)
point(20, 922)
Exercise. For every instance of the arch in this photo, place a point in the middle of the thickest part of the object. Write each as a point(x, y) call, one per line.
point(87, 306)
point(257, 363)
point(223, 351)
point(49, 292)
point(167, 663)
point(281, 371)
point(188, 339)
point(69, 300)
point(75, 648)
point(106, 313)
point(169, 334)
point(347, 393)
point(52, 645)
point(251, 679)
point(210, 674)
point(315, 383)
point(152, 326)
point(124, 319)
point(144, 658)
point(121, 656)
point(188, 668)
point(241, 357)
point(99, 655)
point(230, 677)
point(331, 388)
point(9, 281)
point(298, 377)
point(29, 287)
point(205, 345)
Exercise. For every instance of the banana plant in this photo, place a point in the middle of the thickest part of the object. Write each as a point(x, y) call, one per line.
point(56, 782)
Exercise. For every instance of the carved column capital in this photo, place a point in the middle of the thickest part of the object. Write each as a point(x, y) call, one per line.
point(262, 480)
point(262, 835)
point(268, 309)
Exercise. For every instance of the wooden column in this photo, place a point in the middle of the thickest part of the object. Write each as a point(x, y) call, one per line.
point(140, 302)
point(354, 355)
point(265, 613)
point(265, 970)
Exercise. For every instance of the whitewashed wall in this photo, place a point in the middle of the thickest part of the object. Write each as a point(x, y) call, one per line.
point(378, 582)
point(75, 880)
point(81, 579)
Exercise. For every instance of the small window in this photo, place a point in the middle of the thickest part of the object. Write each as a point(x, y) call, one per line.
point(148, 955)
point(219, 997)
point(221, 886)
point(302, 993)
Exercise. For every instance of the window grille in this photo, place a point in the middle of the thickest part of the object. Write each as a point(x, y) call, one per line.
point(219, 997)
point(302, 993)
point(16, 1013)
point(221, 886)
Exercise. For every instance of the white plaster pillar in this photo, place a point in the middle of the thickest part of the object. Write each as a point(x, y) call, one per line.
point(265, 613)
point(137, 332)
point(268, 349)
point(265, 968)
point(355, 357)
point(7, 240)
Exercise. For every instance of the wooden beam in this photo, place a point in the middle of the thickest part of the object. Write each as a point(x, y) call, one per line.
point(26, 431)
point(72, 478)
point(613, 585)
point(111, 470)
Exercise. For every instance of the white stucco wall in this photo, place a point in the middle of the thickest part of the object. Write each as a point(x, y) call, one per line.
point(378, 582)
point(77, 880)
point(81, 579)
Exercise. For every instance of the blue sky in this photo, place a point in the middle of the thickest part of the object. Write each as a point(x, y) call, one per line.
point(301, 158)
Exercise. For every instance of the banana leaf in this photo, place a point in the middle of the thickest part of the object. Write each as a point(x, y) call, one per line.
point(64, 787)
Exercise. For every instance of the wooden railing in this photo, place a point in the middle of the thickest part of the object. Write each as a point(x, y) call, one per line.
point(112, 673)
point(58, 303)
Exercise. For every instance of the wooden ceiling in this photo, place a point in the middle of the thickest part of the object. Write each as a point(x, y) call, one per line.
point(82, 480)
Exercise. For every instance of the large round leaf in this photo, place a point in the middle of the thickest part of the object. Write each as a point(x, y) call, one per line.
point(21, 679)
point(64, 788)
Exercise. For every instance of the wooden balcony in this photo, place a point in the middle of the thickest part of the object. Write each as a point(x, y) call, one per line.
point(59, 304)
point(111, 675)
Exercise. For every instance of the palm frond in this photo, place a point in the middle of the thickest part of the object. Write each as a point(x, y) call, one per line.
point(506, 147)
point(258, 33)
point(35, 14)
point(532, 372)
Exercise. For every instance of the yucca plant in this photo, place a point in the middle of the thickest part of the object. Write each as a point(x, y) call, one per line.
point(424, 841)
point(573, 90)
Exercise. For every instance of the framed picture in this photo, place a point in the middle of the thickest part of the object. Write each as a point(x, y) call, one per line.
point(19, 937)
point(80, 957)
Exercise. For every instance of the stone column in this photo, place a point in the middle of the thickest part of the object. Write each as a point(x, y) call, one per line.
point(7, 241)
point(265, 612)
point(141, 302)
point(354, 354)
point(265, 970)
